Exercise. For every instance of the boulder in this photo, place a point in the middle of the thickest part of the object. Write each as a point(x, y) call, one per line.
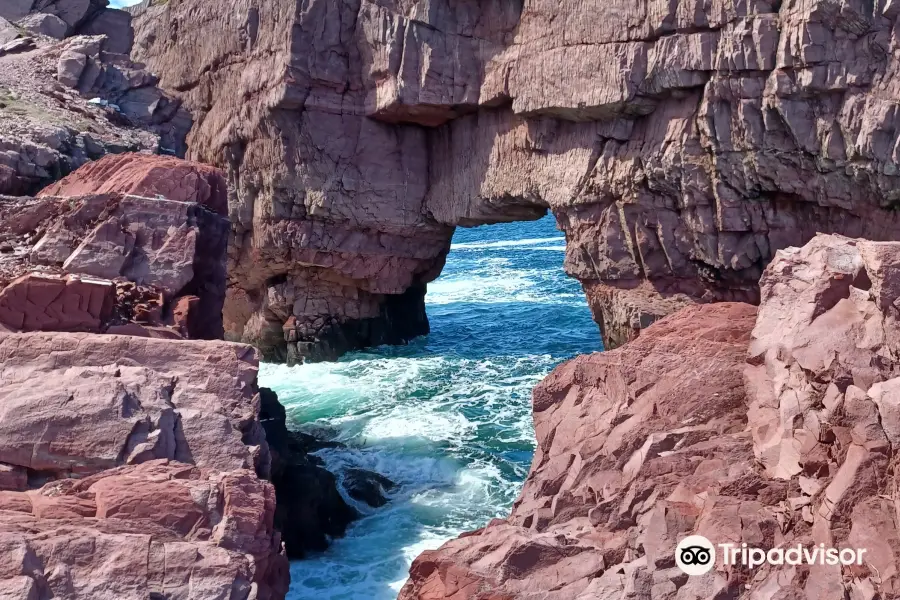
point(56, 303)
point(13, 10)
point(22, 44)
point(71, 66)
point(149, 176)
point(157, 529)
point(8, 32)
point(44, 24)
point(116, 26)
point(72, 12)
point(108, 400)
point(367, 486)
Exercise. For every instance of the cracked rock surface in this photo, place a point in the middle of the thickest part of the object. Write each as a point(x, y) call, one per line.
point(134, 466)
point(105, 537)
point(679, 145)
point(773, 429)
point(129, 244)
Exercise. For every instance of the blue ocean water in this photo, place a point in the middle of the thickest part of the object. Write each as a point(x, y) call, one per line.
point(448, 417)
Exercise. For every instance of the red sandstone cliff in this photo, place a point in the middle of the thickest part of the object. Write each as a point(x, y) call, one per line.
point(771, 429)
point(678, 144)
point(138, 457)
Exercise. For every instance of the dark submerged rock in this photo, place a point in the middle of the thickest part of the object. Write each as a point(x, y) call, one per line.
point(309, 508)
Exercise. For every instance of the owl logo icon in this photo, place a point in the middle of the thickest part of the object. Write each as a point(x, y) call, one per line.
point(695, 555)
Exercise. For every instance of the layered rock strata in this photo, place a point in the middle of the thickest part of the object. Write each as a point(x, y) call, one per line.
point(155, 530)
point(90, 255)
point(679, 145)
point(773, 430)
point(134, 467)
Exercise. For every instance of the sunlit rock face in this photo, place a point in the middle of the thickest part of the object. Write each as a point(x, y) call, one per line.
point(770, 428)
point(678, 144)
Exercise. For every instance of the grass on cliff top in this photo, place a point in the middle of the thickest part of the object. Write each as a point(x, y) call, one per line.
point(11, 103)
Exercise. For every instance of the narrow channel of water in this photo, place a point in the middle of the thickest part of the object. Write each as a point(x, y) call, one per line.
point(448, 417)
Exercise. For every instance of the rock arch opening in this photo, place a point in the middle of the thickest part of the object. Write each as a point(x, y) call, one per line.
point(446, 418)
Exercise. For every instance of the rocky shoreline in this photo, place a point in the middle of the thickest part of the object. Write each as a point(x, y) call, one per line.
point(699, 157)
point(769, 427)
point(123, 422)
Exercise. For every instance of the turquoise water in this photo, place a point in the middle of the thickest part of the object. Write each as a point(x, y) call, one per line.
point(447, 417)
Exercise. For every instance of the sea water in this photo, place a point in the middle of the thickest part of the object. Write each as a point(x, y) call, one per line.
point(447, 417)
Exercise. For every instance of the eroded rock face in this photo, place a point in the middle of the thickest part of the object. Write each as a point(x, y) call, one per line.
point(144, 253)
point(628, 441)
point(162, 528)
point(149, 176)
point(771, 430)
point(145, 465)
point(309, 510)
point(109, 400)
point(162, 253)
point(678, 144)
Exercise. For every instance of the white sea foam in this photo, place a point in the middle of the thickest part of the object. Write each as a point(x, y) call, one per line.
point(417, 422)
point(505, 243)
point(483, 289)
point(447, 418)
point(435, 502)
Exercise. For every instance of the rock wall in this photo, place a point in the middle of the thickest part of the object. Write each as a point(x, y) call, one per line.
point(106, 537)
point(679, 145)
point(773, 430)
point(128, 244)
point(133, 467)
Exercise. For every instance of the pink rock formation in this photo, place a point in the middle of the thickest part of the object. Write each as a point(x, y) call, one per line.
point(145, 271)
point(165, 241)
point(160, 528)
point(55, 303)
point(145, 461)
point(149, 176)
point(771, 431)
point(109, 400)
point(627, 439)
point(679, 146)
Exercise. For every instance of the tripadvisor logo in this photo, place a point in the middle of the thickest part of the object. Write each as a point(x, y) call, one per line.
point(696, 555)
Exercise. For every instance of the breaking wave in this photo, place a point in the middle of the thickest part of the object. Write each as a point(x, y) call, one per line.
point(447, 417)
